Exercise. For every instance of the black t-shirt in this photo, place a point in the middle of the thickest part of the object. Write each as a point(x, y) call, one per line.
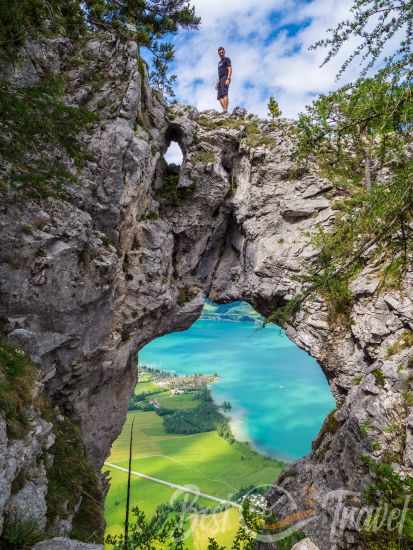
point(223, 67)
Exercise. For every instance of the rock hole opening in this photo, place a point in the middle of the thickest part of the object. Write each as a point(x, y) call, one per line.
point(175, 149)
point(221, 406)
point(173, 161)
point(174, 155)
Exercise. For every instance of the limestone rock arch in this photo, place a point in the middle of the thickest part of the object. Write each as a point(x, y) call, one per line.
point(128, 258)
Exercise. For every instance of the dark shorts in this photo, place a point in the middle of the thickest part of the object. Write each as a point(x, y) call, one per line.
point(222, 88)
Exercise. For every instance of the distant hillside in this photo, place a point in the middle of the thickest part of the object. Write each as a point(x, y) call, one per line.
point(235, 311)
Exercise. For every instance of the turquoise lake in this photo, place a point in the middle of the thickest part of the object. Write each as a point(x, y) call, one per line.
point(279, 394)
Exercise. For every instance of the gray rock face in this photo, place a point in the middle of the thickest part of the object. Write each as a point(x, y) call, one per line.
point(305, 544)
point(25, 459)
point(60, 543)
point(133, 254)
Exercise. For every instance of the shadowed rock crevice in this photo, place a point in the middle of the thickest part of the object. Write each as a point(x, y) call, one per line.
point(175, 133)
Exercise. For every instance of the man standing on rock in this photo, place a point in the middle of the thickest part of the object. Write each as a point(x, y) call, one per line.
point(224, 78)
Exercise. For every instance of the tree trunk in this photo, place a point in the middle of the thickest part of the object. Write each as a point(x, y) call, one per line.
point(367, 171)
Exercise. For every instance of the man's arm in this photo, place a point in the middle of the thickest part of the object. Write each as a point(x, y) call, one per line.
point(229, 75)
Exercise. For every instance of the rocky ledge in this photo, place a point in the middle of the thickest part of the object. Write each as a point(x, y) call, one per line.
point(134, 251)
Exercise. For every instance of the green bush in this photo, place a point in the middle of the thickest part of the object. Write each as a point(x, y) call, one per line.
point(255, 137)
point(203, 157)
point(37, 126)
point(214, 124)
point(358, 137)
point(330, 426)
point(405, 341)
point(186, 294)
point(274, 110)
point(17, 377)
point(70, 478)
point(20, 535)
point(379, 377)
point(34, 18)
point(170, 193)
point(288, 542)
point(388, 489)
point(147, 534)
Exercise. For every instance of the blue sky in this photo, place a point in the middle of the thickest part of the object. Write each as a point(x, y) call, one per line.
point(267, 42)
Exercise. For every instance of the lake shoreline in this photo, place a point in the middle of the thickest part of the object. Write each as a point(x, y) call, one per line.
point(220, 471)
point(239, 433)
point(279, 394)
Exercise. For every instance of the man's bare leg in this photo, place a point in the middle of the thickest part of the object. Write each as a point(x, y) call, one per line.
point(226, 102)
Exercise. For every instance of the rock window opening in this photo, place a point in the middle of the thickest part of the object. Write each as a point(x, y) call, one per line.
point(174, 155)
point(220, 407)
point(173, 158)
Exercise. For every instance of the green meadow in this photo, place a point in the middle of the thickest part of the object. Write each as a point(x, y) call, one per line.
point(204, 461)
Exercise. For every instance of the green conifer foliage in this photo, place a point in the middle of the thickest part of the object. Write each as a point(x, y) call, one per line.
point(274, 110)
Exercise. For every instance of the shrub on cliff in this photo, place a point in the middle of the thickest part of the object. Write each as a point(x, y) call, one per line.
point(20, 535)
point(73, 485)
point(37, 127)
point(360, 138)
point(17, 378)
point(388, 493)
point(142, 20)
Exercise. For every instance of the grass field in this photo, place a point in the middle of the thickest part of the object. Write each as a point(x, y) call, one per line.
point(222, 527)
point(177, 402)
point(145, 386)
point(203, 460)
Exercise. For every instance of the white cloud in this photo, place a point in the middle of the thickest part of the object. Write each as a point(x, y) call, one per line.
point(281, 66)
point(213, 12)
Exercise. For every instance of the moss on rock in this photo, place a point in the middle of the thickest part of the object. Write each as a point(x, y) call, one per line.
point(74, 486)
point(17, 378)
